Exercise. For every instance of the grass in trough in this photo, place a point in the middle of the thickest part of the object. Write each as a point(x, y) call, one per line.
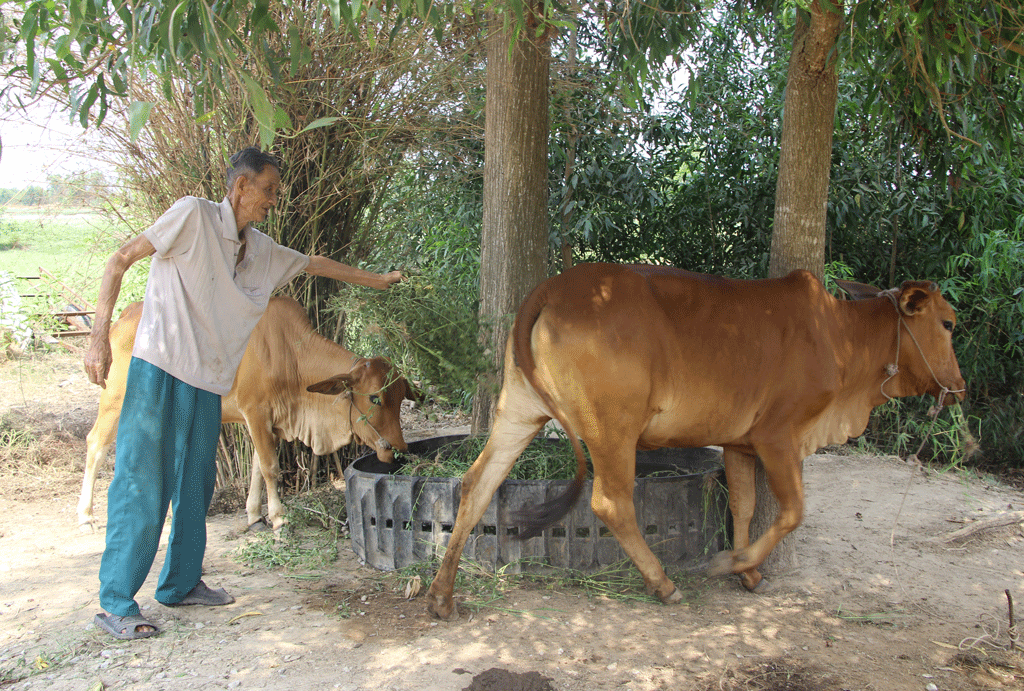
point(543, 459)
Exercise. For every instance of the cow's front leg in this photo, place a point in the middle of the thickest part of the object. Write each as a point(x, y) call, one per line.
point(785, 477)
point(97, 445)
point(254, 500)
point(739, 476)
point(265, 466)
point(98, 442)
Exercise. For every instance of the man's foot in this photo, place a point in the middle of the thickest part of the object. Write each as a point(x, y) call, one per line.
point(202, 594)
point(125, 628)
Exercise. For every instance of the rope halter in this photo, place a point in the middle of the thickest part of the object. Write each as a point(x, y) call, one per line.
point(892, 369)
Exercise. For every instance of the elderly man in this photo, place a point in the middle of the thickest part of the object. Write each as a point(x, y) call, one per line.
point(211, 277)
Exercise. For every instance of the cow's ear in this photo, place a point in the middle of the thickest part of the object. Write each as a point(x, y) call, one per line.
point(914, 297)
point(858, 291)
point(341, 383)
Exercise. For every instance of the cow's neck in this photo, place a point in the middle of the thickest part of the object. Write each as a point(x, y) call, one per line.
point(871, 330)
point(865, 344)
point(324, 359)
point(321, 360)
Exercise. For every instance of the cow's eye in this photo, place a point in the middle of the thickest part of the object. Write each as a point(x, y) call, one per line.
point(947, 325)
point(374, 399)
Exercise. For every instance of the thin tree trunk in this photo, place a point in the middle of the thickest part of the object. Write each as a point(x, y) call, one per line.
point(801, 195)
point(514, 242)
point(572, 141)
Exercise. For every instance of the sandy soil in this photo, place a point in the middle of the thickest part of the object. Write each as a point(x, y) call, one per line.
point(879, 600)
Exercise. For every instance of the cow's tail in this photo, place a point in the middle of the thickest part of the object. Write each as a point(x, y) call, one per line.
point(535, 519)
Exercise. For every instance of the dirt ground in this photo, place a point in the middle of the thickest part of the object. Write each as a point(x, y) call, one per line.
point(881, 599)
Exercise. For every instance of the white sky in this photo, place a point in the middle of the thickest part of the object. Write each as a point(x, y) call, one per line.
point(40, 142)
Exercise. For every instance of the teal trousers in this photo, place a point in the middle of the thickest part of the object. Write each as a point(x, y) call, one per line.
point(166, 455)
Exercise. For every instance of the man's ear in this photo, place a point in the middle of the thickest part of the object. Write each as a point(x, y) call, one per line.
point(239, 185)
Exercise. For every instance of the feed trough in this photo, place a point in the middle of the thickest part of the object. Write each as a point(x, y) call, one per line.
point(397, 520)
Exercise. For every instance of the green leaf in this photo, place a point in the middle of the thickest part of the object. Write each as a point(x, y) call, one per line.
point(259, 103)
point(335, 7)
point(281, 119)
point(295, 46)
point(90, 99)
point(174, 25)
point(138, 115)
point(319, 122)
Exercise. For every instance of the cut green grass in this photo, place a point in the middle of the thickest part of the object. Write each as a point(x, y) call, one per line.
point(34, 661)
point(302, 549)
point(308, 541)
point(551, 459)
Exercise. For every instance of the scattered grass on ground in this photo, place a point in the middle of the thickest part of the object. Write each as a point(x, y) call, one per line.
point(308, 541)
point(36, 660)
point(484, 588)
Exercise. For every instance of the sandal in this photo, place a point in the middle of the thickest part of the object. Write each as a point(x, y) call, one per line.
point(202, 594)
point(125, 628)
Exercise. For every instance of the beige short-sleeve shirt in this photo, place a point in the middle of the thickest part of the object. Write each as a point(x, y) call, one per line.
point(200, 308)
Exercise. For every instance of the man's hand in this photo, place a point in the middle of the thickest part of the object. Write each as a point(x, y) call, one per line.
point(392, 278)
point(97, 361)
point(99, 357)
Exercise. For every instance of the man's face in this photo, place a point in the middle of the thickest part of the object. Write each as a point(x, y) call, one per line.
point(258, 195)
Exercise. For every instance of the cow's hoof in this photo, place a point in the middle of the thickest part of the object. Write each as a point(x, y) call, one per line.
point(753, 581)
point(762, 587)
point(442, 607)
point(258, 526)
point(673, 598)
point(87, 527)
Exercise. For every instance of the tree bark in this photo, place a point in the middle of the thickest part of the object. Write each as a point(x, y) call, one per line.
point(514, 240)
point(805, 155)
point(801, 194)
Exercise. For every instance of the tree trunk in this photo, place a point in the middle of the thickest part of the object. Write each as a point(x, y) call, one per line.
point(801, 194)
point(805, 156)
point(514, 241)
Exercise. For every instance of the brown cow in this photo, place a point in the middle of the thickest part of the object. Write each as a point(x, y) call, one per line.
point(628, 357)
point(277, 394)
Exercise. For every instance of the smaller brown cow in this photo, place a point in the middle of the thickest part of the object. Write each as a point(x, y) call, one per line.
point(277, 394)
point(628, 357)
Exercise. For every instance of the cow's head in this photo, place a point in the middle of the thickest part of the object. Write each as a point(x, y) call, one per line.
point(927, 363)
point(375, 391)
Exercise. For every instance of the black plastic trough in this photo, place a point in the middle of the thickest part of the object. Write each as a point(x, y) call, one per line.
point(397, 520)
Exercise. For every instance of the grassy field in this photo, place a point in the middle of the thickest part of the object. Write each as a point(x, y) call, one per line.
point(71, 244)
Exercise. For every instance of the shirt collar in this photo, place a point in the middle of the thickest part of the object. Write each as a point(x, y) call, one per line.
point(230, 229)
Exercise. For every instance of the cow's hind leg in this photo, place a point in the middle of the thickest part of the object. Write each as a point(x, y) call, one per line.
point(612, 502)
point(508, 439)
point(98, 442)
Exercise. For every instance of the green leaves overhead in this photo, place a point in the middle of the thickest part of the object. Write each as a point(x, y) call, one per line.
point(93, 50)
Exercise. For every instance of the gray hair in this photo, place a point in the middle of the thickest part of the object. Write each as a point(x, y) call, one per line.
point(250, 162)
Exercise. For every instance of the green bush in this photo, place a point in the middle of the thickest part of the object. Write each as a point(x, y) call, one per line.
point(427, 324)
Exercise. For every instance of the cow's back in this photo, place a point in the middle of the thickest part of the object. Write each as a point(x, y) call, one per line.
point(699, 354)
point(270, 372)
